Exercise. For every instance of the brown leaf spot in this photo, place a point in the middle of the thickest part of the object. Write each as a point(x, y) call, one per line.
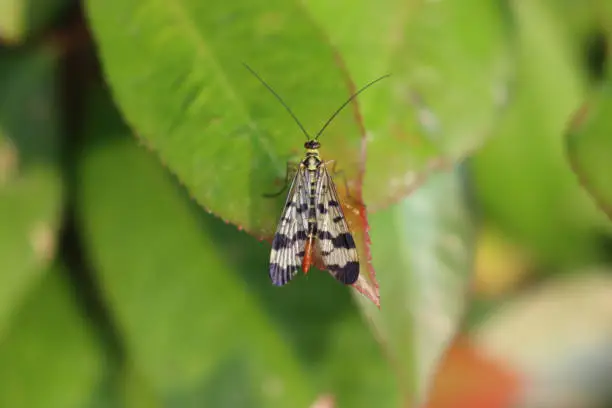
point(43, 242)
point(324, 401)
point(8, 161)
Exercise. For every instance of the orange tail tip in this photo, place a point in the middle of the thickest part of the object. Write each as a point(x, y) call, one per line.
point(307, 262)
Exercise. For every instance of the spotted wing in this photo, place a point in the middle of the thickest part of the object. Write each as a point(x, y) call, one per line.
point(290, 238)
point(335, 242)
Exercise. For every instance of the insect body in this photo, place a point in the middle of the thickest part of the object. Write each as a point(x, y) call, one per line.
point(312, 220)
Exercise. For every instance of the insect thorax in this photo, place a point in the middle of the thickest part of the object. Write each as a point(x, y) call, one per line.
point(311, 161)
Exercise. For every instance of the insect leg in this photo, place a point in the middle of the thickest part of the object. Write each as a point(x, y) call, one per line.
point(341, 173)
point(289, 173)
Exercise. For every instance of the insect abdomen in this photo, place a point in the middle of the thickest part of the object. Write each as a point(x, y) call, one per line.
point(312, 168)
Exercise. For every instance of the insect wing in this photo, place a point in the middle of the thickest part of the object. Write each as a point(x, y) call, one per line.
point(335, 241)
point(289, 240)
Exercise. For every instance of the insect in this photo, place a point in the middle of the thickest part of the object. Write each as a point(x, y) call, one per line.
point(312, 215)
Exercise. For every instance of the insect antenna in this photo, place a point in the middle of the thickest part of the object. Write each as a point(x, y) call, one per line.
point(279, 99)
point(346, 103)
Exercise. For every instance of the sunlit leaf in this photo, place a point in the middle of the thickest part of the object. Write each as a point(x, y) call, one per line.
point(422, 247)
point(176, 72)
point(589, 147)
point(521, 176)
point(449, 64)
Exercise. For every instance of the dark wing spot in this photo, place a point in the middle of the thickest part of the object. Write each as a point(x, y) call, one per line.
point(325, 235)
point(281, 241)
point(279, 275)
point(346, 274)
point(312, 213)
point(322, 209)
point(344, 240)
point(302, 209)
point(338, 218)
point(334, 203)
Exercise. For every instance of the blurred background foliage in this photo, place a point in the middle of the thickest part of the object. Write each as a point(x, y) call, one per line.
point(135, 149)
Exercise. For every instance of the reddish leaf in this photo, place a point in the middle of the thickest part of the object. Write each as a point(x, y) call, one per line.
point(466, 378)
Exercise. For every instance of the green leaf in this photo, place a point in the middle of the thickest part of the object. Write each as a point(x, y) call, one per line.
point(50, 357)
point(30, 182)
point(449, 65)
point(201, 323)
point(189, 323)
point(589, 147)
point(21, 18)
point(176, 72)
point(521, 176)
point(136, 391)
point(423, 246)
point(581, 20)
point(354, 372)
